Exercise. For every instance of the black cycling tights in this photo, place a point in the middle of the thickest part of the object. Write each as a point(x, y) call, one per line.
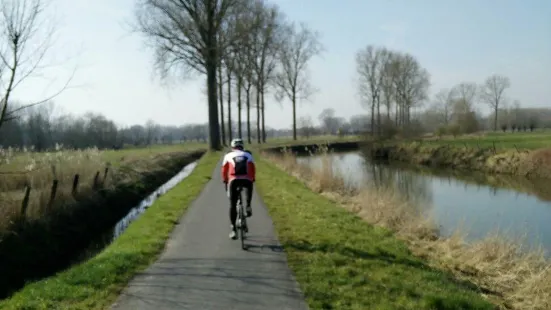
point(247, 190)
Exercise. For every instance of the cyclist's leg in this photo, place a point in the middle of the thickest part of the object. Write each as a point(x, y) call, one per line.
point(232, 188)
point(248, 187)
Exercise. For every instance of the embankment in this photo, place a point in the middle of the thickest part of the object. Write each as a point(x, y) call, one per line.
point(342, 262)
point(30, 250)
point(307, 149)
point(501, 271)
point(527, 163)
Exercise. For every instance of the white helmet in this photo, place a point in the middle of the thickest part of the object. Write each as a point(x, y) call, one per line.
point(237, 143)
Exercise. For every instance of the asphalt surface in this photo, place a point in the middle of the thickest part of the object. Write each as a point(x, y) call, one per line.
point(201, 268)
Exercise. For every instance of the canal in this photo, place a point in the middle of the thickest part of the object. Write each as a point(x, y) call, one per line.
point(474, 203)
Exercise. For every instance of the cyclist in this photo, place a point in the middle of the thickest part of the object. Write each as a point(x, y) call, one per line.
point(238, 169)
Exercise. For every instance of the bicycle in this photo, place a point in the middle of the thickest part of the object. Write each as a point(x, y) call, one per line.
point(241, 221)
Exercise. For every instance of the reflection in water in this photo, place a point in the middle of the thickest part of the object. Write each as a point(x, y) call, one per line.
point(475, 203)
point(356, 170)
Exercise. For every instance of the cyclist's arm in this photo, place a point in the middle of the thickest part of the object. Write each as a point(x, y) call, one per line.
point(251, 168)
point(225, 169)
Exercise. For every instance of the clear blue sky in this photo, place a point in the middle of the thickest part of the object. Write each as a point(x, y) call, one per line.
point(456, 41)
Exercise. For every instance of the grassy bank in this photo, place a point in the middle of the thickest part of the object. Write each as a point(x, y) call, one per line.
point(504, 275)
point(527, 163)
point(288, 141)
point(49, 239)
point(499, 140)
point(21, 169)
point(342, 262)
point(96, 283)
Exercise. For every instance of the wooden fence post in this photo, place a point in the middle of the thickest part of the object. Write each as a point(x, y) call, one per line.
point(105, 175)
point(75, 184)
point(25, 202)
point(53, 193)
point(96, 180)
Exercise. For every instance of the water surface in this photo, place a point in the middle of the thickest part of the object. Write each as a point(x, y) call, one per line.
point(475, 203)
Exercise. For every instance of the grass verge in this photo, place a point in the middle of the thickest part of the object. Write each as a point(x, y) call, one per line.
point(342, 262)
point(503, 271)
point(96, 283)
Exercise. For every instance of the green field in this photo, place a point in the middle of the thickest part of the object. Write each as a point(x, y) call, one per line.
point(520, 140)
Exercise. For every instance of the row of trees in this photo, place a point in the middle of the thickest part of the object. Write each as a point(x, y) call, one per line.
point(458, 105)
point(394, 81)
point(40, 129)
point(242, 46)
point(392, 84)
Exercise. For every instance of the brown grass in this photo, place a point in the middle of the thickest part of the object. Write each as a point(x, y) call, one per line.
point(511, 277)
point(19, 169)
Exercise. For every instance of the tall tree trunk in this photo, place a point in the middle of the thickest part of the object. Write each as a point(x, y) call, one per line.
point(214, 127)
point(263, 116)
point(372, 116)
point(379, 116)
point(239, 85)
point(230, 133)
point(248, 90)
point(258, 137)
point(495, 118)
point(294, 99)
point(220, 85)
point(397, 114)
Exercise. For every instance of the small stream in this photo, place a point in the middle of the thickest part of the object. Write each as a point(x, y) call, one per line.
point(474, 203)
point(108, 237)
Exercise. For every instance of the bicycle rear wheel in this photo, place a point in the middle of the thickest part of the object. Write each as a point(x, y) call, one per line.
point(242, 227)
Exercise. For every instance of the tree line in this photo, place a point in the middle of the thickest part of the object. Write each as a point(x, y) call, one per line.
point(392, 84)
point(39, 128)
point(245, 48)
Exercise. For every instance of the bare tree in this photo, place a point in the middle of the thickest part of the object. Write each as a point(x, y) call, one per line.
point(265, 53)
point(291, 79)
point(370, 65)
point(387, 84)
point(185, 35)
point(492, 92)
point(411, 83)
point(329, 122)
point(467, 93)
point(443, 104)
point(26, 39)
point(228, 61)
point(246, 24)
point(306, 126)
point(220, 85)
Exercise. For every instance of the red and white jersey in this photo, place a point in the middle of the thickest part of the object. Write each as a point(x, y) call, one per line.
point(238, 164)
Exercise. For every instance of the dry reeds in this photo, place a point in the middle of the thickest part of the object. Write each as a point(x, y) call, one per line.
point(510, 276)
point(23, 168)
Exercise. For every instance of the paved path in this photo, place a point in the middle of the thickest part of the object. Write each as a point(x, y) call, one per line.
point(201, 268)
